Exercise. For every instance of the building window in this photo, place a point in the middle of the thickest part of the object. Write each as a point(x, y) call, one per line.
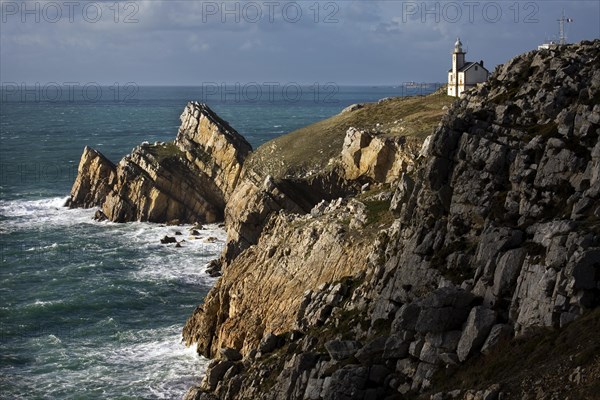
point(476, 68)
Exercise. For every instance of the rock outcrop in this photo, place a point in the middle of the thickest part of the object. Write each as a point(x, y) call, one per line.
point(189, 180)
point(212, 146)
point(264, 289)
point(258, 197)
point(495, 232)
point(96, 176)
point(377, 157)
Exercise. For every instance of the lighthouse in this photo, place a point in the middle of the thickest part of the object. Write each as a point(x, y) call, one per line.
point(464, 75)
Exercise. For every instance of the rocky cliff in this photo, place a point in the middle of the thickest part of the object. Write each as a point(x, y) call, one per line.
point(188, 180)
point(295, 172)
point(492, 234)
point(95, 177)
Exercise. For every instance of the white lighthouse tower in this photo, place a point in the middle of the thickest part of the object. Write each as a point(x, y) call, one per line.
point(458, 56)
point(464, 75)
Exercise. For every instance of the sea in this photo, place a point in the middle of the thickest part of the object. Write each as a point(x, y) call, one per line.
point(95, 310)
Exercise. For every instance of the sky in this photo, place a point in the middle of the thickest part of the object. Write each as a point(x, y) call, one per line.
point(190, 43)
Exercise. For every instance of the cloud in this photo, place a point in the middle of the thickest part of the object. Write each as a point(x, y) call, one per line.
point(174, 42)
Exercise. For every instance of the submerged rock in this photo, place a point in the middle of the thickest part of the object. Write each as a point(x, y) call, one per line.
point(168, 240)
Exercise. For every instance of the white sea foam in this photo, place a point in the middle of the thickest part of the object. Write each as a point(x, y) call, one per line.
point(27, 214)
point(46, 303)
point(105, 357)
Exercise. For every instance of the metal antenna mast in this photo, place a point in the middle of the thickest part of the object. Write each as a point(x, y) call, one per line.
point(561, 24)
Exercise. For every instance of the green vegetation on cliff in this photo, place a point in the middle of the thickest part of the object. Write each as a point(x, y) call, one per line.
point(311, 148)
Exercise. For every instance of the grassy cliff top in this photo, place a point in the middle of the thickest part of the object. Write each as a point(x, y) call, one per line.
point(311, 148)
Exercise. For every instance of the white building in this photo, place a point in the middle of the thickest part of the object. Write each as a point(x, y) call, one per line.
point(464, 75)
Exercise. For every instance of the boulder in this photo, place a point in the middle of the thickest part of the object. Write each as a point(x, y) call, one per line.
point(475, 331)
point(214, 373)
point(269, 343)
point(377, 157)
point(342, 349)
point(372, 351)
point(498, 333)
point(168, 240)
point(230, 354)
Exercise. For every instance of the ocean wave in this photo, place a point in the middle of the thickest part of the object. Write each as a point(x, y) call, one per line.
point(90, 287)
point(26, 214)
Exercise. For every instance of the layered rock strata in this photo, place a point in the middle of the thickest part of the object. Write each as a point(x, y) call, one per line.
point(96, 176)
point(189, 180)
point(496, 232)
point(377, 157)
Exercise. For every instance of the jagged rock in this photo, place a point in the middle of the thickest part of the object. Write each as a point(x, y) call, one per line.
point(342, 349)
point(347, 382)
point(188, 180)
point(475, 332)
point(316, 306)
point(197, 393)
point(230, 354)
point(95, 177)
point(440, 319)
point(395, 347)
point(99, 216)
point(507, 270)
point(168, 240)
point(372, 351)
point(352, 107)
point(380, 158)
point(322, 251)
point(502, 205)
point(214, 373)
point(403, 192)
point(423, 375)
point(415, 348)
point(213, 146)
point(444, 309)
point(498, 333)
point(407, 367)
point(214, 268)
point(424, 152)
point(269, 343)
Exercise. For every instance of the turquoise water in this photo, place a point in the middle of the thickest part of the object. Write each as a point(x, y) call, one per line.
point(92, 310)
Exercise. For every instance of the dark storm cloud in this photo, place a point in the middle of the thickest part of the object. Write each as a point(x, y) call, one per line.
point(348, 42)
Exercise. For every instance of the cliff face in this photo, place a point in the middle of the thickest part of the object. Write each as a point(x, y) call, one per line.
point(95, 177)
point(296, 171)
point(284, 213)
point(262, 290)
point(380, 158)
point(186, 181)
point(495, 232)
point(213, 147)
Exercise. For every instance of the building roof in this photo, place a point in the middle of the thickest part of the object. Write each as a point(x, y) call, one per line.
point(468, 65)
